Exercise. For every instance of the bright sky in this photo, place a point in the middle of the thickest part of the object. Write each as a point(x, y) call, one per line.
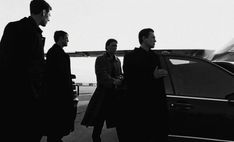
point(187, 24)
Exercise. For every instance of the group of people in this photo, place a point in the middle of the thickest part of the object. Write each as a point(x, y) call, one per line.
point(134, 101)
point(42, 101)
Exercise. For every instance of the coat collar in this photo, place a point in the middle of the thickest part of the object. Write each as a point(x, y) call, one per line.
point(34, 24)
point(58, 47)
point(141, 50)
point(106, 55)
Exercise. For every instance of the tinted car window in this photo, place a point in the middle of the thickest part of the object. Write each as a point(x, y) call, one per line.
point(199, 78)
point(226, 65)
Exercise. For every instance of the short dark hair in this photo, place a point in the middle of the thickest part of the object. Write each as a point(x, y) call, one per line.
point(58, 34)
point(109, 41)
point(37, 6)
point(144, 33)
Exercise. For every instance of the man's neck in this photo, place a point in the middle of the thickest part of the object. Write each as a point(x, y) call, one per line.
point(36, 19)
point(60, 45)
point(111, 55)
point(144, 47)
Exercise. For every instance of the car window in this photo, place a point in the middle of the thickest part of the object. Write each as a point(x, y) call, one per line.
point(199, 78)
point(226, 65)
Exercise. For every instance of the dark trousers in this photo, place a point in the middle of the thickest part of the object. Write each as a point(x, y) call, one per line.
point(97, 130)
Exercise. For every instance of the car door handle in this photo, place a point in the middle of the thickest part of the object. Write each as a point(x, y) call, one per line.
point(180, 105)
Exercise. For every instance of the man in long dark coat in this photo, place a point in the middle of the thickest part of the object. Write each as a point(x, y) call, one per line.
point(21, 74)
point(145, 117)
point(59, 93)
point(109, 76)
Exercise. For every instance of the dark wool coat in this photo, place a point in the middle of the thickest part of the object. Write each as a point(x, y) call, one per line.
point(59, 96)
point(102, 104)
point(21, 73)
point(145, 100)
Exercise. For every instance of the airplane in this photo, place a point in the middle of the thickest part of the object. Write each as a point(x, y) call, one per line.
point(225, 58)
point(227, 55)
point(203, 53)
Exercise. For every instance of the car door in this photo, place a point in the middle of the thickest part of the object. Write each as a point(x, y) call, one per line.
point(200, 98)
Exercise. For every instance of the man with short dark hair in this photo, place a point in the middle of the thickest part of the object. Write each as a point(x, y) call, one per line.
point(21, 73)
point(145, 117)
point(59, 105)
point(101, 107)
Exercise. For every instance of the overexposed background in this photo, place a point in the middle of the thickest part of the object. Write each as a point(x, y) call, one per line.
point(190, 24)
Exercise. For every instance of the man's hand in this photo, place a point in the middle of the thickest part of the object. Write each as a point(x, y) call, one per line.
point(117, 82)
point(158, 73)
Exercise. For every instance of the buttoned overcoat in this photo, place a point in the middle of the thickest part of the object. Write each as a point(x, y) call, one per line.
point(103, 98)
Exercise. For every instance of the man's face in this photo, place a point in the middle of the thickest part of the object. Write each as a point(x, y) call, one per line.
point(65, 40)
point(45, 18)
point(112, 48)
point(150, 40)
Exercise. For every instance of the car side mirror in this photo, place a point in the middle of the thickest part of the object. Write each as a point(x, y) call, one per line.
point(230, 98)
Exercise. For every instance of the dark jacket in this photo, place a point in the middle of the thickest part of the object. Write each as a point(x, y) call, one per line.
point(145, 100)
point(21, 73)
point(59, 96)
point(102, 101)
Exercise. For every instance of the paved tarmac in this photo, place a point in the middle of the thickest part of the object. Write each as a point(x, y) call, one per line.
point(82, 133)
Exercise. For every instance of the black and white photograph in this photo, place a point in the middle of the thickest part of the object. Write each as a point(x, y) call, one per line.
point(117, 70)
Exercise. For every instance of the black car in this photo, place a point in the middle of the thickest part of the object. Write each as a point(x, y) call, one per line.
point(200, 97)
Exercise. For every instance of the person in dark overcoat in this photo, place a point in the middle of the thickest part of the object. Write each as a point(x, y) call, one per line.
point(21, 74)
point(145, 117)
point(100, 108)
point(59, 93)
